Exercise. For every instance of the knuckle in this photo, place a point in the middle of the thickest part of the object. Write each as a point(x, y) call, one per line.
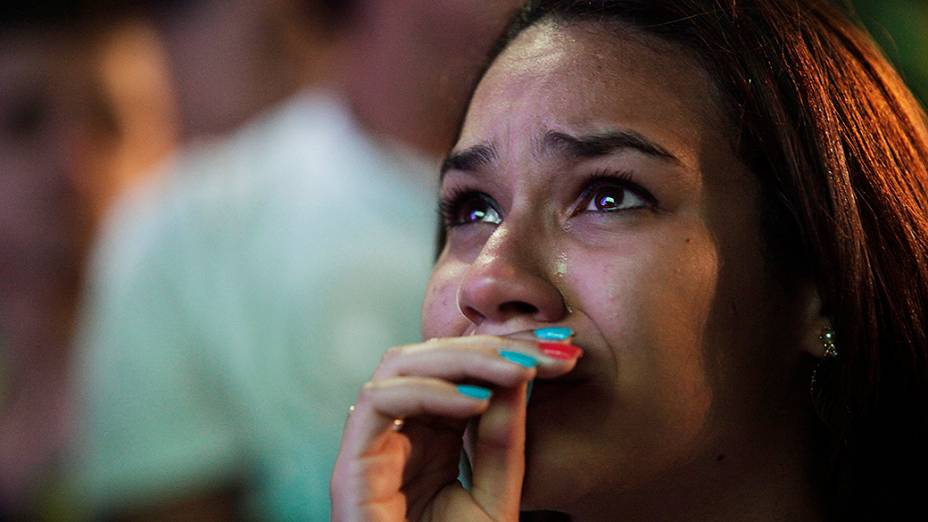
point(367, 390)
point(387, 362)
point(395, 351)
point(392, 353)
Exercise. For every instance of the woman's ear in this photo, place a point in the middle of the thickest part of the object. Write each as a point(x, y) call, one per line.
point(813, 322)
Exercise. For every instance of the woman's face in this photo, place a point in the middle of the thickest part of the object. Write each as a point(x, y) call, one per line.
point(594, 186)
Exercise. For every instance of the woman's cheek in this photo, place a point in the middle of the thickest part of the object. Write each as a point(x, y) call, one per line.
point(651, 308)
point(441, 316)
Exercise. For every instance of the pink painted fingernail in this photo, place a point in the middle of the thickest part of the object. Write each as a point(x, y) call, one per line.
point(560, 351)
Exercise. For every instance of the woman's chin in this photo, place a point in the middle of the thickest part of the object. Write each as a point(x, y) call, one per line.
point(554, 476)
point(561, 464)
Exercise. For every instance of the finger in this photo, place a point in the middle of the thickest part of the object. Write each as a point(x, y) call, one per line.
point(501, 367)
point(369, 470)
point(381, 402)
point(498, 454)
point(494, 359)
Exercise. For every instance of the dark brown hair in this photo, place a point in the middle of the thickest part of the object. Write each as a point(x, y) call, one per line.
point(840, 147)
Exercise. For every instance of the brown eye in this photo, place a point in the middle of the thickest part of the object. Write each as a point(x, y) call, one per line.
point(470, 208)
point(608, 198)
point(613, 197)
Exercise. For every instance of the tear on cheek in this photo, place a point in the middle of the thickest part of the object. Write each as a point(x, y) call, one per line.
point(560, 265)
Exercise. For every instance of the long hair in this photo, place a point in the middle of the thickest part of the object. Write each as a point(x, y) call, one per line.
point(840, 147)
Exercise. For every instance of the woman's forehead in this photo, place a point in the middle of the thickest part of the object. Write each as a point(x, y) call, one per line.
point(586, 77)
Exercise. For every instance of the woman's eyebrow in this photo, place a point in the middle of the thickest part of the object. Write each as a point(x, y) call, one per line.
point(478, 156)
point(470, 159)
point(602, 144)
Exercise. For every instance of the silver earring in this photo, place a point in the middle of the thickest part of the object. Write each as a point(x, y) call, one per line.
point(828, 342)
point(827, 339)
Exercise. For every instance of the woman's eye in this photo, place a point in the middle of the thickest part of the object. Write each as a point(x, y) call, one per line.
point(613, 197)
point(471, 208)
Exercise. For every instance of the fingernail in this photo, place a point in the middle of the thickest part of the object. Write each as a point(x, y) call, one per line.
point(528, 391)
point(519, 358)
point(474, 392)
point(554, 333)
point(560, 351)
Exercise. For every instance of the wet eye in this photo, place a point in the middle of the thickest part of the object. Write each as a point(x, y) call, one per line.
point(614, 195)
point(470, 208)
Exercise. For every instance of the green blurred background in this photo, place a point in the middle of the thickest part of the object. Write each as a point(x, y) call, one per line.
point(901, 29)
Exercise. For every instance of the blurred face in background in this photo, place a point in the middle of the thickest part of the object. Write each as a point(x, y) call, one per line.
point(84, 114)
point(231, 59)
point(40, 249)
point(83, 117)
point(38, 204)
point(411, 64)
point(455, 27)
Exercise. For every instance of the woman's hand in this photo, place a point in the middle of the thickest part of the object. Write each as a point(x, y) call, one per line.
point(385, 474)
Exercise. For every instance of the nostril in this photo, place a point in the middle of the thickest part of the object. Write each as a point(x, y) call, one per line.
point(499, 291)
point(472, 315)
point(511, 308)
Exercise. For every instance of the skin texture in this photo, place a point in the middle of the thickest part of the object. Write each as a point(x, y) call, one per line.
point(687, 403)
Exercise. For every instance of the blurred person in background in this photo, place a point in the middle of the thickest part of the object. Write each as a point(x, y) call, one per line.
point(232, 60)
point(76, 128)
point(236, 297)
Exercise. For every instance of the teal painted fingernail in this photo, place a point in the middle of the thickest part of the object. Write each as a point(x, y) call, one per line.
point(519, 358)
point(554, 333)
point(528, 392)
point(474, 392)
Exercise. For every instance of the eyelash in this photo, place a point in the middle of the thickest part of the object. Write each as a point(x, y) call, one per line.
point(450, 204)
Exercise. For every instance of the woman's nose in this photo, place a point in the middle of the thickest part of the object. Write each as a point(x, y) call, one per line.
point(506, 281)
